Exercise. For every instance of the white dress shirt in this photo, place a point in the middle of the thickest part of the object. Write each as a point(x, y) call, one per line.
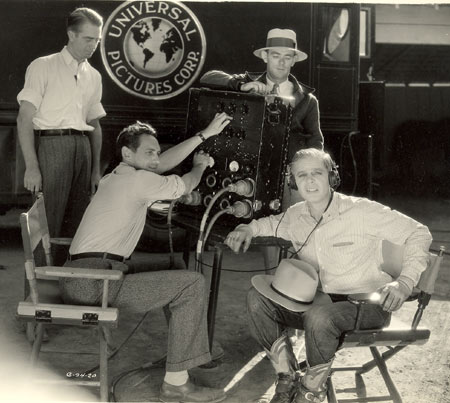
point(66, 94)
point(285, 89)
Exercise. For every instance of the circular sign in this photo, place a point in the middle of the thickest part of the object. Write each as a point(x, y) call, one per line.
point(153, 49)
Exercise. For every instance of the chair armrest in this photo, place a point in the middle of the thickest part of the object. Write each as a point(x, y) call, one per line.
point(76, 272)
point(61, 241)
point(365, 298)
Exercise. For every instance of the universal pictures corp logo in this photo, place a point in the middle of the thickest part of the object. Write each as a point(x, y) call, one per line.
point(153, 49)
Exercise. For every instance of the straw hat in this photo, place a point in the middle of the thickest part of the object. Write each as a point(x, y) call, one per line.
point(282, 38)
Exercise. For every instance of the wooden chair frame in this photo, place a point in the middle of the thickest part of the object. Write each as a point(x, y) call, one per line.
point(41, 309)
point(393, 337)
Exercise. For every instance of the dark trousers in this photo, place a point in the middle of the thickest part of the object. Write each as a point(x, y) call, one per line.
point(65, 163)
point(323, 324)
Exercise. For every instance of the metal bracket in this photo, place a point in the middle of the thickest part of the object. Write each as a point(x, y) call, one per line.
point(89, 319)
point(43, 316)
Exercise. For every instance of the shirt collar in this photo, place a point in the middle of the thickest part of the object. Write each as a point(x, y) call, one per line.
point(286, 87)
point(332, 211)
point(69, 60)
point(123, 168)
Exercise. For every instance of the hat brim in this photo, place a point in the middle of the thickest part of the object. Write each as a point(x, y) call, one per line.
point(299, 55)
point(262, 284)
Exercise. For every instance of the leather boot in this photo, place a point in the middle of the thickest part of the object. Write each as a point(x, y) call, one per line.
point(313, 385)
point(284, 362)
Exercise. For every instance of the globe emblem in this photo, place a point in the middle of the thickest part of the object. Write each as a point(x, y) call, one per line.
point(154, 47)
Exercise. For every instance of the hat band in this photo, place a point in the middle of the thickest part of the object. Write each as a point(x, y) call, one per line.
point(289, 298)
point(280, 43)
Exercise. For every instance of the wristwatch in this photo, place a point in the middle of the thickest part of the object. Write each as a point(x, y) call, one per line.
point(202, 137)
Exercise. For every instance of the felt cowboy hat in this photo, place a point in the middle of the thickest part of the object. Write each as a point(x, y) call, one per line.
point(282, 38)
point(294, 286)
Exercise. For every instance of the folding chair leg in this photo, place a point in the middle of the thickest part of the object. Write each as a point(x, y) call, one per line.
point(37, 343)
point(104, 385)
point(386, 376)
point(331, 392)
point(372, 363)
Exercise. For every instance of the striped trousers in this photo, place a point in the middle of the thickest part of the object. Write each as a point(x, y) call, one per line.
point(65, 164)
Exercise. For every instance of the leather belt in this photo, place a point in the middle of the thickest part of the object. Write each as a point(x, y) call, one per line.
point(103, 255)
point(60, 132)
point(338, 297)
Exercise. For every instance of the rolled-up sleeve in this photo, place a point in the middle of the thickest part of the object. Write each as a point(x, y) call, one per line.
point(151, 186)
point(96, 110)
point(35, 83)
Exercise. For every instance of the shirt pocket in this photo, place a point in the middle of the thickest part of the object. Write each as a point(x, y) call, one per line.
point(342, 244)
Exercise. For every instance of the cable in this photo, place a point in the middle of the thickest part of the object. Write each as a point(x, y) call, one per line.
point(312, 231)
point(158, 363)
point(276, 231)
point(237, 271)
point(119, 348)
point(213, 220)
point(203, 224)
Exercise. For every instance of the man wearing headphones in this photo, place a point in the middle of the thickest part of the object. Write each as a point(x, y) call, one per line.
point(340, 237)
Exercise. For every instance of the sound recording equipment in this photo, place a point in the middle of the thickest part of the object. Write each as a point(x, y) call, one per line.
point(251, 150)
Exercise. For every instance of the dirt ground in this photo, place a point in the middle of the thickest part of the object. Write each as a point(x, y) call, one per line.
point(421, 373)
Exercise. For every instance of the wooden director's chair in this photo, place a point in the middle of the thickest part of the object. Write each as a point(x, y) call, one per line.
point(394, 337)
point(44, 305)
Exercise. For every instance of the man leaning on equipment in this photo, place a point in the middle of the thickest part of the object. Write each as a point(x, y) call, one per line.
point(280, 54)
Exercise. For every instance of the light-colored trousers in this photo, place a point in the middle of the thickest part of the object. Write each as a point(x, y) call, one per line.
point(182, 292)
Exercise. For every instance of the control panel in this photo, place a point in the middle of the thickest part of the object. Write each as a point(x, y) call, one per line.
point(252, 148)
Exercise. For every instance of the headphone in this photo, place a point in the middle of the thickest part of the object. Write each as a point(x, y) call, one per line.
point(333, 177)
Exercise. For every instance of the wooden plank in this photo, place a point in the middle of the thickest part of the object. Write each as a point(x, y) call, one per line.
point(76, 272)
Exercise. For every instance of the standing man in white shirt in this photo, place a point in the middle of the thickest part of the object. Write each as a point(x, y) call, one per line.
point(339, 238)
point(58, 124)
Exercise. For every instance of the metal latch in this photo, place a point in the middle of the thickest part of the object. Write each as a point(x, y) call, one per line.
point(43, 316)
point(89, 319)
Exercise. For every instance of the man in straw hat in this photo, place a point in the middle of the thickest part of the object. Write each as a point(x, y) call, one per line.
point(338, 239)
point(280, 55)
